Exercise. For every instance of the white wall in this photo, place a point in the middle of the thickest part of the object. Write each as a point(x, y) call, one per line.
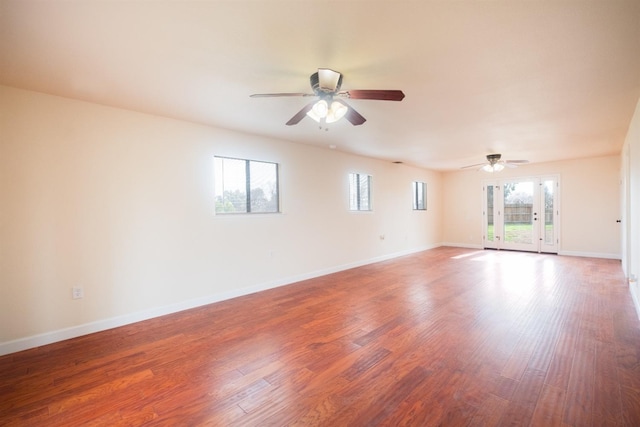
point(121, 203)
point(632, 206)
point(590, 205)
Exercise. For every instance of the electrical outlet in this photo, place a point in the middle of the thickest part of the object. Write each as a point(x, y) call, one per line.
point(77, 292)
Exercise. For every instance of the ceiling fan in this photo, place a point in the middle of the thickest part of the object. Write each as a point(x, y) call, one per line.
point(331, 107)
point(494, 164)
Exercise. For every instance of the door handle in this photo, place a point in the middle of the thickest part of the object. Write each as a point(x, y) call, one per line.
point(618, 220)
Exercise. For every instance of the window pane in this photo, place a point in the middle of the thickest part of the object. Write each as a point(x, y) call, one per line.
point(264, 186)
point(365, 204)
point(353, 191)
point(245, 186)
point(359, 192)
point(231, 185)
point(419, 196)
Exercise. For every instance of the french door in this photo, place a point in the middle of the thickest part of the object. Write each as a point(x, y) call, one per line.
point(521, 214)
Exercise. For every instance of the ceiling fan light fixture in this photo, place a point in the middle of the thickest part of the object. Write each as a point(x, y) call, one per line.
point(331, 114)
point(336, 112)
point(496, 167)
point(319, 110)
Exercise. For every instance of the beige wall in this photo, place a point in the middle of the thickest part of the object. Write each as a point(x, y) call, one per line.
point(121, 204)
point(590, 204)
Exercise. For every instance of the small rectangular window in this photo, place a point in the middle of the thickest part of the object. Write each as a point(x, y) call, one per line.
point(359, 192)
point(419, 196)
point(246, 186)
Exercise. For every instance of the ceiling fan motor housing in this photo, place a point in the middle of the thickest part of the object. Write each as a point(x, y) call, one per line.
point(318, 90)
point(493, 158)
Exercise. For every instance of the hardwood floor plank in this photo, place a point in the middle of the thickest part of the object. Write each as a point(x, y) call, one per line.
point(560, 366)
point(523, 403)
point(519, 360)
point(490, 412)
point(364, 363)
point(630, 406)
point(628, 362)
point(390, 399)
point(101, 392)
point(607, 406)
point(580, 391)
point(448, 336)
point(550, 407)
point(504, 387)
point(379, 331)
point(547, 341)
point(419, 413)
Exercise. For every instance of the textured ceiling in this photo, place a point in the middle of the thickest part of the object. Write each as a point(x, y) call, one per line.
point(536, 80)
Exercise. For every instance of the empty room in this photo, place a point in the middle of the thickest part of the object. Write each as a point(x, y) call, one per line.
point(319, 213)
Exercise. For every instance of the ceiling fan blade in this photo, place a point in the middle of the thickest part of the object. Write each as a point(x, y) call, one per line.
point(473, 166)
point(300, 114)
point(328, 80)
point(272, 95)
point(382, 95)
point(517, 162)
point(352, 115)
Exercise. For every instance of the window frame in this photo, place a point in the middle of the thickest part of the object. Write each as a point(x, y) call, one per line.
point(247, 187)
point(358, 195)
point(416, 186)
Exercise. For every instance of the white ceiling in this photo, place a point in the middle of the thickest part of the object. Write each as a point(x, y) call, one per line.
point(536, 80)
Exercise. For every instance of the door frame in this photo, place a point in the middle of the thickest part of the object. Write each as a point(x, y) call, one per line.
point(539, 244)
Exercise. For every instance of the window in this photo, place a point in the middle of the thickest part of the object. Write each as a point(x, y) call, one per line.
point(419, 196)
point(359, 192)
point(245, 186)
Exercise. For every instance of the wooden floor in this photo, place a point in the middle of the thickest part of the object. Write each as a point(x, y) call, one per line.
point(448, 337)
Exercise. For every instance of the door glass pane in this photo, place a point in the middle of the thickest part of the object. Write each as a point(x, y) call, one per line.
point(489, 214)
point(518, 212)
point(548, 212)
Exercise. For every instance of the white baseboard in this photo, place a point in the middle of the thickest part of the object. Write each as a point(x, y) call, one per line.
point(462, 245)
point(590, 254)
point(564, 253)
point(635, 295)
point(114, 322)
